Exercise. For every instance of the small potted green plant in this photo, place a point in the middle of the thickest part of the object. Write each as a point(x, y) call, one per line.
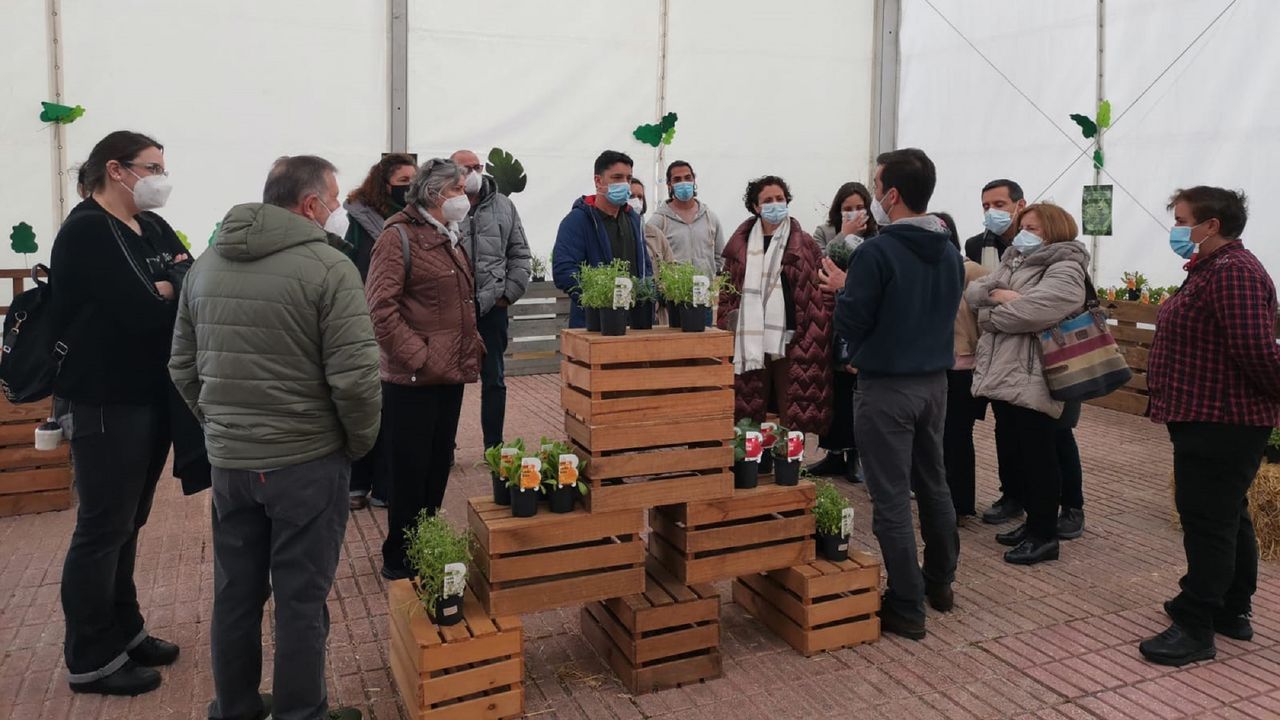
point(526, 487)
point(595, 290)
point(614, 318)
point(1134, 283)
point(833, 521)
point(439, 556)
point(1272, 451)
point(788, 453)
point(501, 461)
point(646, 294)
point(748, 448)
point(561, 478)
point(540, 269)
point(840, 252)
point(675, 282)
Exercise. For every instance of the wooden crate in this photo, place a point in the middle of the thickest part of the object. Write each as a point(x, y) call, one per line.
point(817, 607)
point(667, 636)
point(31, 481)
point(536, 320)
point(473, 670)
point(525, 565)
point(652, 411)
point(764, 528)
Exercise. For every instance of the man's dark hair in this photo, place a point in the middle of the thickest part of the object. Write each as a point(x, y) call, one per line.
point(755, 187)
point(952, 232)
point(293, 178)
point(609, 158)
point(911, 173)
point(1015, 190)
point(1230, 207)
point(678, 164)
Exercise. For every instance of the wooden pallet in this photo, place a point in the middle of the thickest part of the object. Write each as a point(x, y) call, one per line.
point(817, 607)
point(764, 528)
point(473, 670)
point(536, 320)
point(525, 565)
point(31, 480)
point(665, 637)
point(652, 411)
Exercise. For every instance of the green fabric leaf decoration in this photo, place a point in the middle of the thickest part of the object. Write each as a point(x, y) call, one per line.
point(61, 114)
point(506, 171)
point(1097, 158)
point(1087, 126)
point(214, 235)
point(1104, 114)
point(660, 134)
point(182, 237)
point(23, 239)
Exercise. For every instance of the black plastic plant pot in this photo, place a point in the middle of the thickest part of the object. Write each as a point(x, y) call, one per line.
point(562, 498)
point(448, 610)
point(746, 474)
point(692, 318)
point(613, 322)
point(593, 319)
point(766, 463)
point(501, 493)
point(1135, 295)
point(642, 316)
point(786, 472)
point(673, 314)
point(524, 503)
point(1272, 454)
point(833, 547)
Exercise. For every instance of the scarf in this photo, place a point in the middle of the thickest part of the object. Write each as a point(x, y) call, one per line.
point(762, 316)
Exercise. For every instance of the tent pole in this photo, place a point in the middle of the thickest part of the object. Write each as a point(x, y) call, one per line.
point(58, 136)
point(1101, 95)
point(664, 9)
point(398, 116)
point(884, 115)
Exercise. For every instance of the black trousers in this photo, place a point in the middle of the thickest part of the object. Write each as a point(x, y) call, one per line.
point(118, 452)
point(1027, 449)
point(493, 380)
point(422, 423)
point(1069, 457)
point(839, 437)
point(1213, 467)
point(963, 410)
point(371, 474)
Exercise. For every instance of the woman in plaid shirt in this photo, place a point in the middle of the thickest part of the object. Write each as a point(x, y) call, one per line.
point(1214, 379)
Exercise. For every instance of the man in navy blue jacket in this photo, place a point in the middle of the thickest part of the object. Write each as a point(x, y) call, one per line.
point(598, 229)
point(897, 312)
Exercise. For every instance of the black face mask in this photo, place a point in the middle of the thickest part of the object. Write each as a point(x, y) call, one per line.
point(398, 193)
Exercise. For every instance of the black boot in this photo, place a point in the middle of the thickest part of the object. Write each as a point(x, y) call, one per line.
point(1070, 523)
point(1014, 537)
point(941, 597)
point(154, 652)
point(854, 471)
point(1236, 627)
point(1002, 511)
point(892, 622)
point(1176, 647)
point(830, 466)
point(1033, 550)
point(130, 679)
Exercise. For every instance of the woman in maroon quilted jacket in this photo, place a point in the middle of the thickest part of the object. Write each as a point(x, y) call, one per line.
point(780, 319)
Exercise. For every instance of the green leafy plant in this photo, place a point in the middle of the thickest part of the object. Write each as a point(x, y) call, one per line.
point(513, 480)
point(506, 171)
point(595, 284)
point(23, 239)
point(1274, 440)
point(646, 289)
point(61, 114)
point(740, 431)
point(839, 252)
point(550, 455)
point(493, 455)
point(675, 281)
point(722, 284)
point(780, 442)
point(828, 509)
point(431, 544)
point(1134, 280)
point(540, 268)
point(660, 134)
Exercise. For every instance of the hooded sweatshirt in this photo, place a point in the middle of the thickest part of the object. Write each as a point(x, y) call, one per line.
point(701, 242)
point(273, 347)
point(898, 307)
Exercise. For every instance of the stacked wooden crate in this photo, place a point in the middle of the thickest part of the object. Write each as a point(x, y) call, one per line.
point(31, 480)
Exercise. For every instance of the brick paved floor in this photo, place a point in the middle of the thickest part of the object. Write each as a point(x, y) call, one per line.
point(1052, 641)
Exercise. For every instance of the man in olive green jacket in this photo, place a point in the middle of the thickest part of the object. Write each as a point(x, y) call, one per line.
point(275, 353)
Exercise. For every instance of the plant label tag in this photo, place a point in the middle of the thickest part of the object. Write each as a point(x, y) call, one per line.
point(510, 458)
point(568, 470)
point(451, 610)
point(795, 445)
point(846, 523)
point(455, 579)
point(770, 432)
point(547, 449)
point(530, 473)
point(754, 446)
point(702, 291)
point(622, 293)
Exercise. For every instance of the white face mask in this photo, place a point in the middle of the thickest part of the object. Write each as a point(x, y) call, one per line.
point(636, 204)
point(338, 221)
point(150, 192)
point(473, 182)
point(878, 212)
point(455, 208)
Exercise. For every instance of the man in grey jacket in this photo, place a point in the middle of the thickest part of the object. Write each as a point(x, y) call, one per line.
point(274, 352)
point(494, 240)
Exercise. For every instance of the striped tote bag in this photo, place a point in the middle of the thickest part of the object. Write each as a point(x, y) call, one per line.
point(1080, 358)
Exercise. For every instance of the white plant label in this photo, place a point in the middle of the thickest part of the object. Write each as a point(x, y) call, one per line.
point(455, 579)
point(846, 522)
point(622, 293)
point(530, 473)
point(568, 470)
point(701, 291)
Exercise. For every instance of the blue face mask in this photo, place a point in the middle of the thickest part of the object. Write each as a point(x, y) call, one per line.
point(774, 213)
point(619, 193)
point(684, 191)
point(997, 221)
point(1180, 240)
point(1027, 242)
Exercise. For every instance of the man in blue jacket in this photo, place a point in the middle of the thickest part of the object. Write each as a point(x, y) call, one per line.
point(598, 229)
point(897, 312)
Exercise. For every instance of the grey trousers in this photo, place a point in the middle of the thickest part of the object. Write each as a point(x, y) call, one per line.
point(898, 422)
point(278, 530)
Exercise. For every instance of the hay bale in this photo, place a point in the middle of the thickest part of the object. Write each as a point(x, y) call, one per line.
point(1264, 508)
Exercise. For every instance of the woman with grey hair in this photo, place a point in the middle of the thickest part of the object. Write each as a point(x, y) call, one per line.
point(422, 299)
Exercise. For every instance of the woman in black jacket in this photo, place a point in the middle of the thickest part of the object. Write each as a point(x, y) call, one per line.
point(116, 271)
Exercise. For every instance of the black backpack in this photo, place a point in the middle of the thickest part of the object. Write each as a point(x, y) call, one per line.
point(33, 348)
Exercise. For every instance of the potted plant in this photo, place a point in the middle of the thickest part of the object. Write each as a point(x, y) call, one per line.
point(562, 479)
point(788, 453)
point(526, 487)
point(501, 460)
point(1272, 451)
point(769, 431)
point(614, 317)
point(646, 297)
point(833, 520)
point(540, 267)
point(748, 448)
point(840, 252)
point(1134, 282)
point(595, 291)
point(439, 556)
point(671, 279)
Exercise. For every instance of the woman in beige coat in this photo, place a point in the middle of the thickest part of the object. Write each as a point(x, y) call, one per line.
point(1040, 282)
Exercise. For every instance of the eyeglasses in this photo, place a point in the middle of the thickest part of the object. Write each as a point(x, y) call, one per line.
point(153, 168)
